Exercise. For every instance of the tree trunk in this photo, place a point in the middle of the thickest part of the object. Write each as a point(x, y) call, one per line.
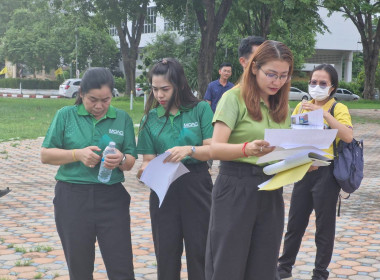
point(370, 58)
point(206, 60)
point(210, 22)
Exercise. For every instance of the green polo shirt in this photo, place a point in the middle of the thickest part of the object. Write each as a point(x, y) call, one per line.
point(189, 127)
point(74, 128)
point(232, 111)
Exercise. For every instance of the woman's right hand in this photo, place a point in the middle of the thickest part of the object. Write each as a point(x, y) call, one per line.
point(88, 156)
point(258, 148)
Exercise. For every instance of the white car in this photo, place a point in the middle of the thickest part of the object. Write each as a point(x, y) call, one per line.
point(139, 91)
point(70, 88)
point(297, 94)
point(345, 94)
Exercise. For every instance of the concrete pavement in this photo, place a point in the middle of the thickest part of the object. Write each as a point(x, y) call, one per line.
point(30, 247)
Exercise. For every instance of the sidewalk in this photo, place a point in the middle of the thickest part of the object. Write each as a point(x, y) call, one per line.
point(30, 247)
point(29, 93)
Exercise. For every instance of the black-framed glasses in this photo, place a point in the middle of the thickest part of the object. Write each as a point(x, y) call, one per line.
point(273, 77)
point(321, 84)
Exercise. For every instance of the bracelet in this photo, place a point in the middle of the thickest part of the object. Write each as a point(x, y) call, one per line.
point(73, 154)
point(243, 149)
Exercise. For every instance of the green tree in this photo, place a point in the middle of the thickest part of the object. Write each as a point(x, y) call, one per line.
point(28, 38)
point(168, 44)
point(7, 9)
point(39, 37)
point(128, 18)
point(365, 15)
point(292, 22)
point(210, 15)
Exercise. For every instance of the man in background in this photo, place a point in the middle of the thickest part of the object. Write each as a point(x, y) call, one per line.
point(217, 88)
point(247, 47)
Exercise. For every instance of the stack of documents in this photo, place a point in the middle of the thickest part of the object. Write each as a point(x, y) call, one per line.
point(296, 150)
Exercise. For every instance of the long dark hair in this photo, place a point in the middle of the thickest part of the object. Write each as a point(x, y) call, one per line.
point(182, 96)
point(173, 71)
point(278, 103)
point(94, 78)
point(332, 73)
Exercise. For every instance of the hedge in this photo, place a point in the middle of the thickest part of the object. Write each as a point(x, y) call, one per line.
point(353, 87)
point(29, 83)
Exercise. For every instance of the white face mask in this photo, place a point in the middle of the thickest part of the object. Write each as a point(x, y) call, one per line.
point(318, 93)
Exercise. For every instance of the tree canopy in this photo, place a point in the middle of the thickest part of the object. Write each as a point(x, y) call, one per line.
point(365, 15)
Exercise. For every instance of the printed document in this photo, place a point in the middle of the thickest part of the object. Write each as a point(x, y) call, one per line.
point(158, 175)
point(312, 119)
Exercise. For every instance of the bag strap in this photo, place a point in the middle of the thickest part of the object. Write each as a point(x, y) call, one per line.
point(334, 142)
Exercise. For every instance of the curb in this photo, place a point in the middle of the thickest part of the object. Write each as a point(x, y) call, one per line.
point(29, 95)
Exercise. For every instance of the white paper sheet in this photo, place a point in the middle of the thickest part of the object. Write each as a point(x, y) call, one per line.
point(282, 153)
point(158, 175)
point(296, 160)
point(309, 120)
point(292, 138)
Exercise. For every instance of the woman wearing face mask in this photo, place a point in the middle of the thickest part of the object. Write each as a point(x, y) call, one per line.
point(318, 190)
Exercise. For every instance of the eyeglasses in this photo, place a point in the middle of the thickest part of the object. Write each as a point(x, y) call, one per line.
point(321, 84)
point(273, 77)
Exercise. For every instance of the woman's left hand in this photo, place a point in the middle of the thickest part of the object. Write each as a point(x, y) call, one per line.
point(113, 160)
point(310, 106)
point(178, 153)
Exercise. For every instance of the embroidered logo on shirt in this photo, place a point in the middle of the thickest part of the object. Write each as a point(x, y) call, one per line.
point(116, 132)
point(188, 125)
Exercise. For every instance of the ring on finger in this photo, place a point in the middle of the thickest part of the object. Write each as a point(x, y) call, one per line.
point(261, 149)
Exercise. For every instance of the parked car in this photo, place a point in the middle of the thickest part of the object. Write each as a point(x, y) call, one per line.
point(115, 92)
point(70, 88)
point(139, 91)
point(345, 94)
point(297, 94)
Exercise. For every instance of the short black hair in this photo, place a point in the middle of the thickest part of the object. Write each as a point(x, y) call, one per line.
point(245, 48)
point(225, 64)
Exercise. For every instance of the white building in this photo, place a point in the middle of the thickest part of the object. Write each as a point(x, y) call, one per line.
point(336, 47)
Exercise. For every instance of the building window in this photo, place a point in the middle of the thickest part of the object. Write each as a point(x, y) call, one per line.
point(150, 21)
point(113, 30)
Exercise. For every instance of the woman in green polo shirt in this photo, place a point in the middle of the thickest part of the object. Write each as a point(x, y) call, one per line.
point(178, 122)
point(86, 210)
point(246, 224)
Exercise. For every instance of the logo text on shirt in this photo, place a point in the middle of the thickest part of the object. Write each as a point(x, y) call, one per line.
point(188, 125)
point(116, 132)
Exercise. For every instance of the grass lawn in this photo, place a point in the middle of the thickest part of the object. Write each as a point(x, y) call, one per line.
point(30, 118)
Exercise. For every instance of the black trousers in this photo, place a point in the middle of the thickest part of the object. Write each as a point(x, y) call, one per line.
point(246, 225)
point(183, 217)
point(84, 213)
point(318, 190)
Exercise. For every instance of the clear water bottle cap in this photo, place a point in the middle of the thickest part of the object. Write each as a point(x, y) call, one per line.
point(112, 144)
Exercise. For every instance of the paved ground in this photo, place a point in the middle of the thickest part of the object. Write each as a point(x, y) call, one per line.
point(30, 247)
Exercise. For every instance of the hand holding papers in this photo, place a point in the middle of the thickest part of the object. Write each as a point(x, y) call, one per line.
point(158, 175)
point(299, 149)
point(309, 120)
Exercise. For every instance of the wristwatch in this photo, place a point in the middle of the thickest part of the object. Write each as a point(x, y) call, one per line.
point(192, 150)
point(123, 160)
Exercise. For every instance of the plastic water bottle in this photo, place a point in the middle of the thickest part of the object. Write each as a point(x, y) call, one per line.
point(105, 173)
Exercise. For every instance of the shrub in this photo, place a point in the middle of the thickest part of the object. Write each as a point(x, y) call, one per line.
point(29, 83)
